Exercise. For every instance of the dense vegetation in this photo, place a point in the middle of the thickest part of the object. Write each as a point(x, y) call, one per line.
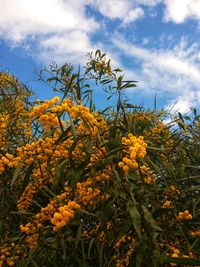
point(86, 187)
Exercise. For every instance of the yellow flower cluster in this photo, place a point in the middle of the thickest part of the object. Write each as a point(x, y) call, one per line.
point(161, 132)
point(184, 216)
point(44, 150)
point(175, 253)
point(129, 242)
point(167, 205)
point(4, 120)
point(37, 110)
point(151, 177)
point(13, 97)
point(159, 128)
point(71, 139)
point(32, 236)
point(32, 228)
point(63, 215)
point(98, 153)
point(86, 195)
point(91, 124)
point(174, 189)
point(135, 147)
point(170, 196)
point(78, 154)
point(88, 233)
point(6, 160)
point(26, 198)
point(32, 240)
point(9, 254)
point(103, 67)
point(195, 233)
point(104, 175)
point(37, 153)
point(47, 113)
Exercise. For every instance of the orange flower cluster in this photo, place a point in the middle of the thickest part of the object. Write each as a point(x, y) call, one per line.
point(129, 242)
point(161, 132)
point(37, 110)
point(42, 150)
point(174, 189)
point(9, 254)
point(104, 175)
point(184, 216)
point(6, 160)
point(3, 126)
point(86, 194)
point(63, 215)
point(195, 233)
point(150, 176)
point(48, 115)
point(26, 199)
point(135, 147)
point(15, 125)
point(175, 253)
point(60, 205)
point(167, 205)
point(37, 153)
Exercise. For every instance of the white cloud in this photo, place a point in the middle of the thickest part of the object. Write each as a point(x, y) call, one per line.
point(118, 9)
point(133, 15)
point(56, 29)
point(173, 75)
point(179, 10)
point(148, 2)
point(67, 47)
point(61, 30)
point(112, 8)
point(182, 104)
point(145, 41)
point(176, 11)
point(57, 26)
point(23, 18)
point(165, 60)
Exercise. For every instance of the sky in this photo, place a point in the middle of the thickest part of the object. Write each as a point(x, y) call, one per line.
point(155, 42)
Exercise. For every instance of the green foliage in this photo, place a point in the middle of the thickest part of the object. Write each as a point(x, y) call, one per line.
point(127, 180)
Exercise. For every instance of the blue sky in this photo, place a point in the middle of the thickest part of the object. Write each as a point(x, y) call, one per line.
point(154, 41)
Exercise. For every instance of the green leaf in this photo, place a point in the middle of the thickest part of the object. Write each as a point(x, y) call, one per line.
point(159, 212)
point(90, 246)
point(187, 118)
point(78, 171)
point(27, 178)
point(119, 82)
point(73, 129)
point(16, 173)
point(155, 102)
point(149, 218)
point(180, 260)
point(1, 231)
point(180, 117)
point(98, 53)
point(101, 256)
point(135, 216)
point(78, 238)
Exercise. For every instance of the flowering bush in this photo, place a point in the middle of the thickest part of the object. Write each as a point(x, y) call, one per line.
point(81, 187)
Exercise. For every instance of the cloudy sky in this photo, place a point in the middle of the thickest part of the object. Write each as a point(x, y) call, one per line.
point(154, 41)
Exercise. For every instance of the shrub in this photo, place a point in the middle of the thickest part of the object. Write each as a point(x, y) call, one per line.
point(82, 187)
